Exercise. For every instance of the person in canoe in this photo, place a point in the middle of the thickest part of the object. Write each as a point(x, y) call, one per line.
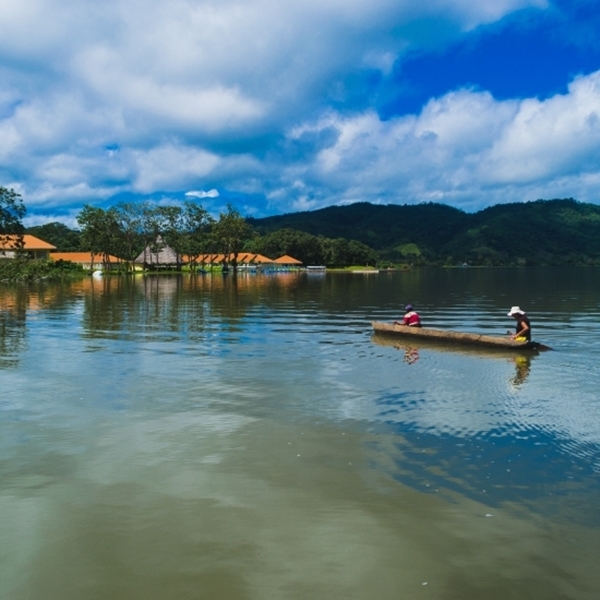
point(411, 318)
point(523, 326)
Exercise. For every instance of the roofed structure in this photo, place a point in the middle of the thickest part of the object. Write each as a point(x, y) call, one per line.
point(88, 260)
point(243, 258)
point(159, 255)
point(287, 260)
point(32, 246)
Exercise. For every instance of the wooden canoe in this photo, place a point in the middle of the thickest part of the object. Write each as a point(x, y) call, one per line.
point(455, 337)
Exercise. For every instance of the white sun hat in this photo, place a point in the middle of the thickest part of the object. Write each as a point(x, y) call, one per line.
point(515, 310)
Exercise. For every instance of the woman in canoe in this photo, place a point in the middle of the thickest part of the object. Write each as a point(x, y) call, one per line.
point(523, 327)
point(411, 318)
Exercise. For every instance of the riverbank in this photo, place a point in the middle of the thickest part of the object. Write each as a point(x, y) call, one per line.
point(28, 270)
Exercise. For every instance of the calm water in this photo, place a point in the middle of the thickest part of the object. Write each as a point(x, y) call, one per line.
point(248, 438)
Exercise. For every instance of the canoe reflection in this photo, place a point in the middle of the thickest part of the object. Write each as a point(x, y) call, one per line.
point(521, 358)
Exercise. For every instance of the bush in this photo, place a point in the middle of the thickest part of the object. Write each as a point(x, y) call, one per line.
point(24, 269)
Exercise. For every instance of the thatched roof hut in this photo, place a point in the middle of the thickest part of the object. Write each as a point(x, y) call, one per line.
point(159, 256)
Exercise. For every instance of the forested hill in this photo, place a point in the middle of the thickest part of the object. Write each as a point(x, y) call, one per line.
point(540, 232)
point(532, 233)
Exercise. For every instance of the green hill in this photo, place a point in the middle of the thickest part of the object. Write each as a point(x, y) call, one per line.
point(541, 232)
point(534, 233)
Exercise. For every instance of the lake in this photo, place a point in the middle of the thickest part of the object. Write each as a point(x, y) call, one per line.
point(249, 438)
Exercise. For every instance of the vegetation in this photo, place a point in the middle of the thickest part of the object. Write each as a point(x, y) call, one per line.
point(543, 232)
point(231, 232)
point(383, 228)
point(126, 229)
point(12, 211)
point(59, 235)
point(28, 270)
point(314, 250)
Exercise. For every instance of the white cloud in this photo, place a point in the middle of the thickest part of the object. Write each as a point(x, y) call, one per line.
point(462, 147)
point(170, 167)
point(558, 137)
point(202, 194)
point(192, 90)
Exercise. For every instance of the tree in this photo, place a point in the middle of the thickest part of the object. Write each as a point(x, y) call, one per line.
point(129, 219)
point(12, 210)
point(59, 235)
point(195, 228)
point(231, 232)
point(303, 246)
point(99, 229)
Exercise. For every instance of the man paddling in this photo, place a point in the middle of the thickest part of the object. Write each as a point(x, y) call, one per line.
point(523, 327)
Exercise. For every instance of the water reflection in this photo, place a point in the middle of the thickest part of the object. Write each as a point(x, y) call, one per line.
point(15, 302)
point(178, 304)
point(522, 359)
point(522, 369)
point(246, 437)
point(411, 355)
point(495, 467)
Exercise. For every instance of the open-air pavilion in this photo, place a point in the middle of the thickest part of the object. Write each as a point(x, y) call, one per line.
point(287, 262)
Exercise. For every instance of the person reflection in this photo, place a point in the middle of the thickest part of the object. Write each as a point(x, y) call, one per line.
point(411, 355)
point(522, 368)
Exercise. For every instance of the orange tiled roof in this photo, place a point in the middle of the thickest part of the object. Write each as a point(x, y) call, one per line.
point(30, 242)
point(82, 257)
point(250, 258)
point(242, 258)
point(287, 260)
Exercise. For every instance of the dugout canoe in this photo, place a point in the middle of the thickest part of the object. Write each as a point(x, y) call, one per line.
point(455, 337)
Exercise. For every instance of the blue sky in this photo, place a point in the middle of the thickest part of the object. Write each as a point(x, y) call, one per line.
point(279, 107)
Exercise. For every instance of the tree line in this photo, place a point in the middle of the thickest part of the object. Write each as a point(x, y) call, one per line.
point(126, 229)
point(543, 232)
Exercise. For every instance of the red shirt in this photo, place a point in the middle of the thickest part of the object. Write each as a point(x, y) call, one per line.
point(412, 319)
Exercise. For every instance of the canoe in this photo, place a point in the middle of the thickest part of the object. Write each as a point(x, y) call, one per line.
point(408, 344)
point(455, 337)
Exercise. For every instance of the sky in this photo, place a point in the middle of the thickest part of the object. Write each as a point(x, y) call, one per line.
point(278, 107)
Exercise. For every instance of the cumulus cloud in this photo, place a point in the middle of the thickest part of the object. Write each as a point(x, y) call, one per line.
point(461, 148)
point(170, 167)
point(250, 97)
point(202, 194)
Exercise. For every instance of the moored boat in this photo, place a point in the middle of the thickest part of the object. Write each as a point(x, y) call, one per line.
point(456, 337)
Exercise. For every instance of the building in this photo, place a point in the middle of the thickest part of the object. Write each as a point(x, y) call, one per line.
point(287, 262)
point(88, 260)
point(158, 256)
point(32, 247)
point(244, 260)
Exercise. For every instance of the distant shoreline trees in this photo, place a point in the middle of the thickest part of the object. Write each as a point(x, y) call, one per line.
point(12, 211)
point(557, 232)
point(126, 229)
